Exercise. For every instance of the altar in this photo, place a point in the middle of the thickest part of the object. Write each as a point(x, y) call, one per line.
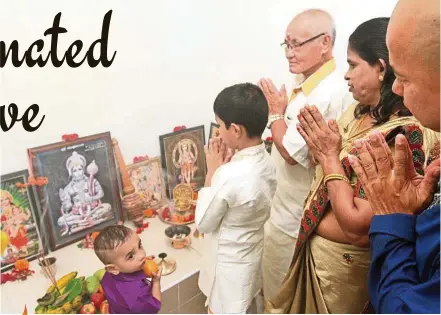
point(181, 293)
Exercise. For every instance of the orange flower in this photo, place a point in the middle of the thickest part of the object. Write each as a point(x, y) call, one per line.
point(21, 264)
point(31, 180)
point(94, 235)
point(148, 213)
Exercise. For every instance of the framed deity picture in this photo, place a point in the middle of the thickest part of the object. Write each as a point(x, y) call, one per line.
point(20, 228)
point(214, 131)
point(183, 158)
point(149, 183)
point(82, 193)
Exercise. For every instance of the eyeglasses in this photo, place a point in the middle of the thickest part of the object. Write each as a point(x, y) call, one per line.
point(296, 45)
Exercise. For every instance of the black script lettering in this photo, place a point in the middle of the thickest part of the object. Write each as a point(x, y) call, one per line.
point(13, 49)
point(103, 45)
point(54, 31)
point(31, 62)
point(13, 114)
point(72, 52)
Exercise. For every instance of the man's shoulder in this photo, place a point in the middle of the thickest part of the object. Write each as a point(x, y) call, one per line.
point(333, 86)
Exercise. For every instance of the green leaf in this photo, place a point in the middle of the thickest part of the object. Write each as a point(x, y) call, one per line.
point(74, 288)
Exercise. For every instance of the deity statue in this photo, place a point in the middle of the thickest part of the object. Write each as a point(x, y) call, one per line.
point(81, 205)
point(187, 158)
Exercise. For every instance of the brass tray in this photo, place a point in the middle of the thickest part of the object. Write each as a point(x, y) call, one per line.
point(171, 222)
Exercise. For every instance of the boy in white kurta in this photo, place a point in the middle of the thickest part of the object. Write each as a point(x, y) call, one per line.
point(236, 201)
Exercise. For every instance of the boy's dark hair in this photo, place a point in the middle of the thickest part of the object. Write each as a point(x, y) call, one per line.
point(110, 238)
point(243, 104)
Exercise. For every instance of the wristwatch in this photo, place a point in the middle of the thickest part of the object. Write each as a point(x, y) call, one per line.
point(273, 118)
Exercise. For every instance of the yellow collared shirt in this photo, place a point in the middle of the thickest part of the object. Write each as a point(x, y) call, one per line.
point(327, 90)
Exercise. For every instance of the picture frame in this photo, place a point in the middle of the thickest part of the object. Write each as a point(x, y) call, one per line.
point(183, 158)
point(148, 179)
point(82, 194)
point(214, 130)
point(20, 221)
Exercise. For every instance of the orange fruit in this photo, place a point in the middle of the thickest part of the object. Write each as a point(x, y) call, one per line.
point(149, 268)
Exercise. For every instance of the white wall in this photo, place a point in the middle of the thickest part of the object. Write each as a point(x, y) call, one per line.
point(173, 57)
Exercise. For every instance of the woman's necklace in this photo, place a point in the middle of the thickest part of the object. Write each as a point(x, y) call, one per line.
point(360, 122)
point(345, 129)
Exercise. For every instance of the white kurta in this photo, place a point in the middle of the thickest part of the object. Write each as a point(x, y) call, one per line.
point(232, 213)
point(327, 90)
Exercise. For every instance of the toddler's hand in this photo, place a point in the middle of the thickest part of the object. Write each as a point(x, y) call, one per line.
point(156, 277)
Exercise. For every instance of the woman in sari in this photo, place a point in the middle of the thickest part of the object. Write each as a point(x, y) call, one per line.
point(329, 270)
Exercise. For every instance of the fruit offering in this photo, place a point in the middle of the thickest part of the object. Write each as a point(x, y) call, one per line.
point(97, 299)
point(100, 274)
point(104, 308)
point(92, 284)
point(67, 298)
point(75, 295)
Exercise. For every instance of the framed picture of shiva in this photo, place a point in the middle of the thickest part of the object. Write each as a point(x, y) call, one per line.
point(20, 229)
point(82, 193)
point(183, 158)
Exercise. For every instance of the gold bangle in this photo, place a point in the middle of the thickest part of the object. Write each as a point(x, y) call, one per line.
point(336, 177)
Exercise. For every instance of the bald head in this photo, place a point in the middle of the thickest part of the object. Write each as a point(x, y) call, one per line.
point(313, 22)
point(417, 27)
point(413, 39)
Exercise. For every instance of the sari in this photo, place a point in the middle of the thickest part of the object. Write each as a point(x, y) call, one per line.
point(329, 277)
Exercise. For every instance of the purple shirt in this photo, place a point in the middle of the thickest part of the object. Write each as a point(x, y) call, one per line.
point(129, 293)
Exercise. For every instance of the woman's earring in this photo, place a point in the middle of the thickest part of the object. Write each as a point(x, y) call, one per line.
point(381, 78)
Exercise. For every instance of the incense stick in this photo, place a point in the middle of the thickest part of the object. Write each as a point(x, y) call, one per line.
point(48, 271)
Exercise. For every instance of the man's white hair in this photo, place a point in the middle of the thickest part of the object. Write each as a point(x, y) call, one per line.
point(324, 14)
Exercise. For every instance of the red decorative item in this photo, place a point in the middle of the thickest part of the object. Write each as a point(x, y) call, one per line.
point(141, 229)
point(269, 139)
point(69, 137)
point(32, 181)
point(16, 275)
point(87, 242)
point(138, 159)
point(179, 128)
point(165, 213)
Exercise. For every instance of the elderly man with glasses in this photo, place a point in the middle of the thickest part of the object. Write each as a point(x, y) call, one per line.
point(308, 47)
